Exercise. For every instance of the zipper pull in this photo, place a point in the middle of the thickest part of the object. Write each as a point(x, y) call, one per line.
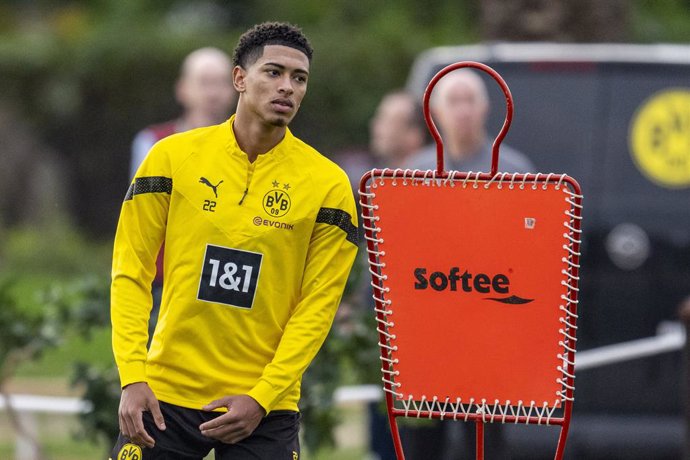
point(244, 195)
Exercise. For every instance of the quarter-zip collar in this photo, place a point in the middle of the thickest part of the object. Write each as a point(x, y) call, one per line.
point(234, 149)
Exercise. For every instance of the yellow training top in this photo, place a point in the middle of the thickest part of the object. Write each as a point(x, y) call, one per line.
point(256, 260)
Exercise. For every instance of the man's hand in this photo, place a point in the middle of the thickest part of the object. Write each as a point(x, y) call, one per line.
point(242, 418)
point(137, 398)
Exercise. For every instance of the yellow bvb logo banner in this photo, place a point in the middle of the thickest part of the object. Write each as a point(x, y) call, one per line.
point(660, 138)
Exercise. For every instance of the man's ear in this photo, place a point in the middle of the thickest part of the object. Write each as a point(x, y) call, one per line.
point(238, 78)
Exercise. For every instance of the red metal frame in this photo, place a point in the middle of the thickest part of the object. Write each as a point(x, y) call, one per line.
point(367, 214)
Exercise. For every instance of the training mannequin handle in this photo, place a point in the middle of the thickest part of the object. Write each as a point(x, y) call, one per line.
point(432, 126)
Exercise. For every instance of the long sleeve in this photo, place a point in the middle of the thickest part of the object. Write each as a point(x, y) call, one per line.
point(140, 233)
point(332, 250)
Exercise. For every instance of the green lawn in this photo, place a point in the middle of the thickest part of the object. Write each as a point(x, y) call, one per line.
point(30, 290)
point(61, 449)
point(59, 362)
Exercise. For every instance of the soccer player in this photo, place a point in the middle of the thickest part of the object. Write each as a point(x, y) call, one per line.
point(260, 234)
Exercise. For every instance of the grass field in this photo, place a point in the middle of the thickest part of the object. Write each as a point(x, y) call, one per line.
point(58, 362)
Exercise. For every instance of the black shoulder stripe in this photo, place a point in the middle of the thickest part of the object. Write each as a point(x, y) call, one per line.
point(340, 219)
point(153, 184)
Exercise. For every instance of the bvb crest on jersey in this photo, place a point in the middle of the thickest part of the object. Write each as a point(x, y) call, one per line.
point(277, 202)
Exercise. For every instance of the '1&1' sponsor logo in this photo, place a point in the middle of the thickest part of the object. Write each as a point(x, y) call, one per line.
point(229, 276)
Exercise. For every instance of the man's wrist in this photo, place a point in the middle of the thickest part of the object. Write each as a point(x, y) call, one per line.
point(263, 394)
point(134, 383)
point(263, 411)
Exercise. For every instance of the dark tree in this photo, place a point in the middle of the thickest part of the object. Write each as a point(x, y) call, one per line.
point(556, 20)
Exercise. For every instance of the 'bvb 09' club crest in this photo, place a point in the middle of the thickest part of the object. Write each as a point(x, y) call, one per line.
point(129, 452)
point(660, 138)
point(277, 202)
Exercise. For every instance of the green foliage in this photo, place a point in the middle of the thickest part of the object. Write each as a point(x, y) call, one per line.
point(348, 356)
point(89, 74)
point(77, 307)
point(655, 21)
point(24, 335)
point(87, 299)
point(102, 391)
point(57, 362)
point(54, 252)
point(316, 404)
point(53, 284)
point(364, 50)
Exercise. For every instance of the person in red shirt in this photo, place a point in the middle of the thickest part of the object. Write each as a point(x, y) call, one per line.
point(205, 92)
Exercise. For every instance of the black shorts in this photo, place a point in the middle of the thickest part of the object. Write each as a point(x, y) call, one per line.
point(276, 438)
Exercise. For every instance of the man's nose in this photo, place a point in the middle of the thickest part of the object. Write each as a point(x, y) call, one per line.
point(286, 85)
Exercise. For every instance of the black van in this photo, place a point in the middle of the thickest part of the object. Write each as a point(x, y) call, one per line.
point(617, 118)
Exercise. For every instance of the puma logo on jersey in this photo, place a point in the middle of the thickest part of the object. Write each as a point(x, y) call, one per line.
point(205, 181)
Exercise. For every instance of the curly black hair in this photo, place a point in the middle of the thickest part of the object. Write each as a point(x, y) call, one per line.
point(250, 46)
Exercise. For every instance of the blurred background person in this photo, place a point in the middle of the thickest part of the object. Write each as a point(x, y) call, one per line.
point(460, 106)
point(397, 132)
point(204, 91)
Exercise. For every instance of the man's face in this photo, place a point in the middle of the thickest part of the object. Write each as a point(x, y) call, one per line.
point(206, 88)
point(462, 107)
point(390, 127)
point(275, 84)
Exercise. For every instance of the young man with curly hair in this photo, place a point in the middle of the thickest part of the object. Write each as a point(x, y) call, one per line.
point(260, 233)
